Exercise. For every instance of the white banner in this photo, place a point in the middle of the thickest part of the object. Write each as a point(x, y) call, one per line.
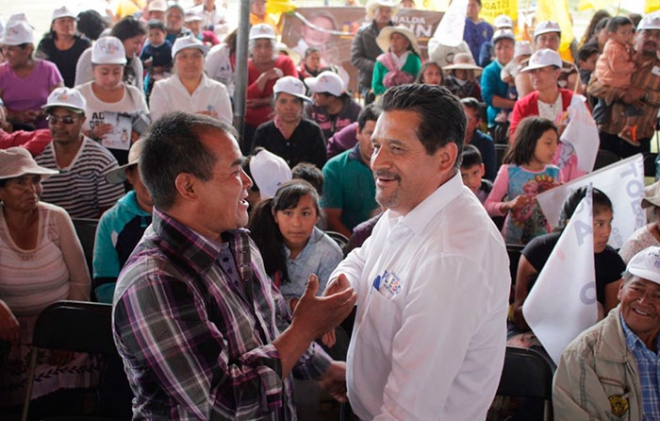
point(562, 302)
point(582, 132)
point(452, 25)
point(622, 182)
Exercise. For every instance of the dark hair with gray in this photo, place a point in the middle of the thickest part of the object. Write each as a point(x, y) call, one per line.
point(173, 146)
point(442, 119)
point(276, 52)
point(369, 113)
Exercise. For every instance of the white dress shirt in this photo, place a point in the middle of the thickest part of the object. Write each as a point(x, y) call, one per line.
point(429, 343)
point(170, 95)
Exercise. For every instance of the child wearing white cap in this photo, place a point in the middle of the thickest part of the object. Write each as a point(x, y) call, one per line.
point(62, 45)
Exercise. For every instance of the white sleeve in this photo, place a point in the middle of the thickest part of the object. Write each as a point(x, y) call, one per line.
point(223, 106)
point(158, 104)
point(84, 68)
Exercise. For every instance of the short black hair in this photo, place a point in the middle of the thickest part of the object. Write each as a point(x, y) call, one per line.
point(473, 104)
point(156, 24)
point(309, 173)
point(600, 203)
point(471, 157)
point(173, 146)
point(369, 113)
point(587, 50)
point(442, 119)
point(127, 28)
point(616, 22)
point(91, 24)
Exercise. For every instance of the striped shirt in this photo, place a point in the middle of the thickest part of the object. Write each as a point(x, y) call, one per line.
point(81, 188)
point(195, 344)
point(648, 367)
point(647, 77)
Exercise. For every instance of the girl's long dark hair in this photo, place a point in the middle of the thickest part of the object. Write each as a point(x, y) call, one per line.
point(266, 233)
point(527, 135)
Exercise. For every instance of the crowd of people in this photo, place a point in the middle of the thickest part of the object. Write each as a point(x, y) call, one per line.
point(231, 260)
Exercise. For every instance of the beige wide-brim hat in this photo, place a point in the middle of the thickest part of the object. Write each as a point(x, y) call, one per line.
point(372, 5)
point(118, 175)
point(383, 39)
point(464, 61)
point(652, 195)
point(17, 161)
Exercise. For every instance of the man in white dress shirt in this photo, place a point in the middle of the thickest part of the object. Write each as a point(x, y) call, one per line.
point(432, 280)
point(189, 89)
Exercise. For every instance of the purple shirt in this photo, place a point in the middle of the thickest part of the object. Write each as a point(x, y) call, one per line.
point(30, 93)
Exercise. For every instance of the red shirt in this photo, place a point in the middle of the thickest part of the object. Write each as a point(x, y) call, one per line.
point(256, 116)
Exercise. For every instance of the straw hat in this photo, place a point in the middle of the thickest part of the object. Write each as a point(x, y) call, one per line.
point(17, 161)
point(372, 5)
point(383, 39)
point(464, 61)
point(118, 175)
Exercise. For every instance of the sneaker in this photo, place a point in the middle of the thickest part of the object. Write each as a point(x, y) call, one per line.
point(629, 134)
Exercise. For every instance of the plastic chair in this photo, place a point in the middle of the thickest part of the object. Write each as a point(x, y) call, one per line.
point(340, 239)
point(86, 231)
point(75, 326)
point(527, 374)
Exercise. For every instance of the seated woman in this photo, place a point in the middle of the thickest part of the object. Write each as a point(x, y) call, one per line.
point(401, 61)
point(430, 74)
point(608, 264)
point(289, 135)
point(25, 82)
point(62, 45)
point(42, 263)
point(462, 78)
point(648, 235)
point(116, 112)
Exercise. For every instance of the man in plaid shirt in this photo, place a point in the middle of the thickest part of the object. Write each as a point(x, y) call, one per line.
point(195, 318)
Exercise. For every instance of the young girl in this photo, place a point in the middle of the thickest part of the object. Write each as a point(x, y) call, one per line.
point(526, 173)
point(284, 229)
point(430, 74)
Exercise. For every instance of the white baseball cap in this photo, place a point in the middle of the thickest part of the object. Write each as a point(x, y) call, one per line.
point(651, 21)
point(502, 22)
point(543, 58)
point(63, 12)
point(262, 30)
point(545, 27)
point(108, 50)
point(18, 17)
point(190, 41)
point(501, 34)
point(523, 48)
point(292, 86)
point(646, 264)
point(67, 98)
point(157, 6)
point(192, 16)
point(118, 175)
point(326, 82)
point(268, 172)
point(17, 33)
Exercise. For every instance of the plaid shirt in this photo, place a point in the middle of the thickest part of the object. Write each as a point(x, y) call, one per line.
point(196, 345)
point(647, 77)
point(648, 367)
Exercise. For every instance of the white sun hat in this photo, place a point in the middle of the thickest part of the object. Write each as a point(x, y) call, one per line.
point(543, 58)
point(292, 86)
point(67, 98)
point(383, 39)
point(190, 41)
point(326, 81)
point(108, 50)
point(646, 264)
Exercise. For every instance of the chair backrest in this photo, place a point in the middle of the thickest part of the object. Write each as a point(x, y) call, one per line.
point(500, 150)
point(340, 239)
point(526, 374)
point(86, 231)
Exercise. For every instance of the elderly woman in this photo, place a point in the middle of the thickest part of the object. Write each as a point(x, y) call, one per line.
point(131, 32)
point(62, 45)
point(648, 235)
point(462, 77)
point(25, 82)
point(400, 63)
point(289, 135)
point(550, 101)
point(42, 262)
point(608, 264)
point(265, 67)
point(116, 112)
point(174, 20)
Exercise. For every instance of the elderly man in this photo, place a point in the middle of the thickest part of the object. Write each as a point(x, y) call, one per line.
point(364, 49)
point(195, 317)
point(644, 92)
point(80, 187)
point(432, 280)
point(189, 89)
point(610, 370)
point(548, 35)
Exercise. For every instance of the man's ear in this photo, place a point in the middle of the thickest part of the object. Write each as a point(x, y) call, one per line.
point(186, 186)
point(447, 156)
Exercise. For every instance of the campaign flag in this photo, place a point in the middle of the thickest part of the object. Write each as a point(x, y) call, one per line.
point(490, 9)
point(622, 182)
point(557, 10)
point(582, 132)
point(651, 6)
point(562, 302)
point(593, 4)
point(451, 28)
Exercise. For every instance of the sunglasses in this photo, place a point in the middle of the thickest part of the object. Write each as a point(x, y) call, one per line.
point(53, 119)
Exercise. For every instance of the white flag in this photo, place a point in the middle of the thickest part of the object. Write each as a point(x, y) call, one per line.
point(582, 132)
point(562, 302)
point(451, 27)
point(622, 182)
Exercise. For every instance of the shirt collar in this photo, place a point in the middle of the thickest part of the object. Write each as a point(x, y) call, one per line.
point(418, 218)
point(633, 341)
